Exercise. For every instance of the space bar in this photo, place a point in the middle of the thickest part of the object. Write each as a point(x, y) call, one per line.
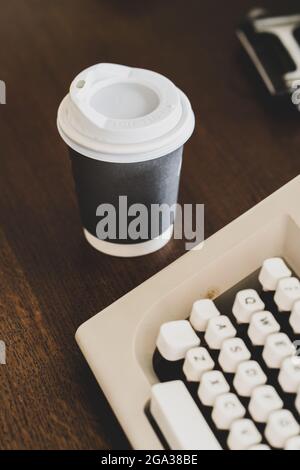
point(179, 419)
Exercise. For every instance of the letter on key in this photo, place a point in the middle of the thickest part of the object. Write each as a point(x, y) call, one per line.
point(212, 385)
point(264, 401)
point(249, 375)
point(261, 326)
point(179, 419)
point(219, 329)
point(246, 303)
point(197, 361)
point(287, 293)
point(227, 409)
point(243, 434)
point(233, 352)
point(175, 339)
point(272, 271)
point(203, 310)
point(289, 375)
point(277, 348)
point(281, 426)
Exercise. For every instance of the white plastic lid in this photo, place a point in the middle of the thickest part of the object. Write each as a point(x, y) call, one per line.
point(121, 114)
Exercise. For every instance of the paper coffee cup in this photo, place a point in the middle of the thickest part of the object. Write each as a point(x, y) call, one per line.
point(125, 129)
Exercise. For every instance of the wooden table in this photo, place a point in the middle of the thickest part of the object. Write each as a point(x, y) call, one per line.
point(51, 280)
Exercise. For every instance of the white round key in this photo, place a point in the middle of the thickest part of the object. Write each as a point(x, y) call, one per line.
point(243, 434)
point(212, 385)
point(246, 303)
point(197, 361)
point(272, 271)
point(218, 330)
point(293, 443)
point(264, 401)
point(260, 447)
point(227, 409)
point(262, 325)
point(233, 352)
point(295, 318)
point(281, 426)
point(289, 375)
point(203, 310)
point(297, 403)
point(287, 293)
point(249, 375)
point(175, 339)
point(277, 348)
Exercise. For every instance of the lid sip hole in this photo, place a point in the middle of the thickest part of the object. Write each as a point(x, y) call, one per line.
point(80, 84)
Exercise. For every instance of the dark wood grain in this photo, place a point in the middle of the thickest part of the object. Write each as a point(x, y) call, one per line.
point(51, 280)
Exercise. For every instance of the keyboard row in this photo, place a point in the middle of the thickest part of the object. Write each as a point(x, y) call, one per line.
point(248, 302)
point(177, 340)
point(185, 428)
point(209, 333)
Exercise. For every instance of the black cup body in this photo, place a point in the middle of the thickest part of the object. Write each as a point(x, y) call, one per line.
point(147, 182)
